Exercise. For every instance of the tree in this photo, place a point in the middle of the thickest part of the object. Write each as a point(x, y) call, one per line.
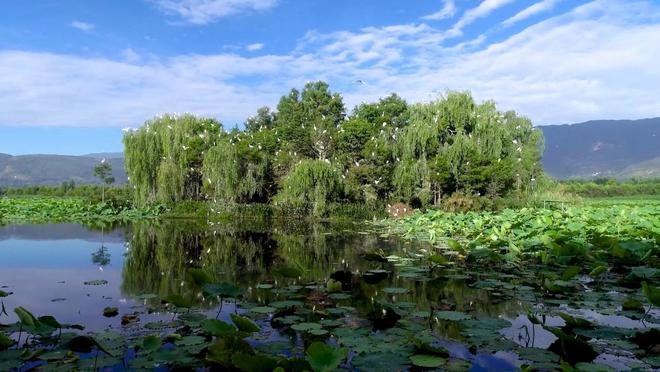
point(308, 153)
point(103, 172)
point(164, 158)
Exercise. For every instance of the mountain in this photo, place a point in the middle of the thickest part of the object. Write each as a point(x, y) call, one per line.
point(603, 148)
point(105, 155)
point(54, 169)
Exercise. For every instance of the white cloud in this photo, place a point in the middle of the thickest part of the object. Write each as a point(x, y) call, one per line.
point(592, 62)
point(254, 47)
point(82, 26)
point(482, 10)
point(206, 11)
point(541, 6)
point(448, 10)
point(130, 55)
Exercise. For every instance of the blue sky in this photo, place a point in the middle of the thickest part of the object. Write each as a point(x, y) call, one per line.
point(73, 73)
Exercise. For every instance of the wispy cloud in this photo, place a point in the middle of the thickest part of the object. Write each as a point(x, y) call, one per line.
point(82, 26)
point(448, 10)
point(541, 6)
point(592, 62)
point(254, 47)
point(482, 10)
point(130, 55)
point(206, 11)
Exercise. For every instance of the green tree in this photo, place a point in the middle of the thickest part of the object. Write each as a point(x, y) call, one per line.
point(103, 172)
point(164, 158)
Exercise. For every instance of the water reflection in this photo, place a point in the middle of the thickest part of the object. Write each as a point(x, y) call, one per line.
point(160, 256)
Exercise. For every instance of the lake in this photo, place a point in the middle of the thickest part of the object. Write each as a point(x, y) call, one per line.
point(74, 272)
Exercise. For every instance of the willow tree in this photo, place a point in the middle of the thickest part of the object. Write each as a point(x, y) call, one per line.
point(164, 157)
point(311, 185)
point(454, 144)
point(237, 173)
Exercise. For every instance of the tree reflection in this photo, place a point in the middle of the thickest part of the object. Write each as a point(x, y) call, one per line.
point(161, 255)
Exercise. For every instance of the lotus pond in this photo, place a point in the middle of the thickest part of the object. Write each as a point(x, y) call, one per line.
point(292, 297)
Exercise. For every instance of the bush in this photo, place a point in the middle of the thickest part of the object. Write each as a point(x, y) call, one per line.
point(460, 202)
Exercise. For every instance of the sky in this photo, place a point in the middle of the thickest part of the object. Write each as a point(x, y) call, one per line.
point(73, 73)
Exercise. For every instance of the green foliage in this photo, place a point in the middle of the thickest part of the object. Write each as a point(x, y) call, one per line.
point(164, 157)
point(585, 235)
point(610, 187)
point(45, 209)
point(311, 185)
point(323, 357)
point(103, 172)
point(309, 153)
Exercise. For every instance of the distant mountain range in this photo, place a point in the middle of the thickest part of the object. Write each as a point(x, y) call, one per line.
point(54, 169)
point(603, 148)
point(594, 149)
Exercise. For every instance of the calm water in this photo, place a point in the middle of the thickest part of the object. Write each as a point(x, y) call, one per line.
point(47, 267)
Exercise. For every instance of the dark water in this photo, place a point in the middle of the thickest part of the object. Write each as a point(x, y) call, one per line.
point(46, 266)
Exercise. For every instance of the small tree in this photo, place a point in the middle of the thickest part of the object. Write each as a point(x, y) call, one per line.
point(103, 172)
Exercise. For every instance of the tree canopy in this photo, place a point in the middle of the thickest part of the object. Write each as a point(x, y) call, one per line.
point(309, 152)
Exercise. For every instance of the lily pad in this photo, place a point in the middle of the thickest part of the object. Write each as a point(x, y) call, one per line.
point(452, 315)
point(427, 361)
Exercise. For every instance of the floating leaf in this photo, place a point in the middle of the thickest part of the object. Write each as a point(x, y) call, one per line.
point(151, 343)
point(263, 309)
point(178, 300)
point(216, 327)
point(452, 315)
point(652, 293)
point(323, 357)
point(427, 361)
point(631, 304)
point(538, 355)
point(244, 324)
point(5, 342)
point(26, 317)
point(50, 321)
point(254, 363)
point(303, 327)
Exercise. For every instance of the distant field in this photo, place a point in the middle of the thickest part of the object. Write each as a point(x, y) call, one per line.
point(624, 200)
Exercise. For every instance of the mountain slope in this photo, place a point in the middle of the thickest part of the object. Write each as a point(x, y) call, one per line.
point(602, 148)
point(54, 169)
